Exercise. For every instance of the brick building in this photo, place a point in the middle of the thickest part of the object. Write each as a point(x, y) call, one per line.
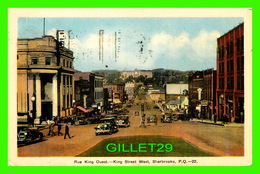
point(202, 90)
point(230, 75)
point(116, 92)
point(45, 85)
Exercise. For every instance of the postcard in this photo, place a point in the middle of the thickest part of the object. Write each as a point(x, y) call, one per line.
point(130, 87)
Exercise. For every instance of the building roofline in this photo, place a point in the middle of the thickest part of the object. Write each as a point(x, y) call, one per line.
point(36, 38)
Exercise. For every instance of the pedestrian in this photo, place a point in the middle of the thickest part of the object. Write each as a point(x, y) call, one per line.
point(215, 117)
point(59, 129)
point(225, 119)
point(51, 130)
point(67, 131)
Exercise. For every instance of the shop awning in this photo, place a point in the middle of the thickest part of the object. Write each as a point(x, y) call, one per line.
point(85, 110)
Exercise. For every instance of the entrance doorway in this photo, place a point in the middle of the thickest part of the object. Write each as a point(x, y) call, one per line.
point(46, 110)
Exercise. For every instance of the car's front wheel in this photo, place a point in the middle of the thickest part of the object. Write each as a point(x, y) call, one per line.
point(40, 136)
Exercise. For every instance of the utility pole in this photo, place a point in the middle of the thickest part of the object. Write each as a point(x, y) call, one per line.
point(43, 26)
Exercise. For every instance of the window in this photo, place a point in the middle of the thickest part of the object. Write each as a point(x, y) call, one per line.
point(238, 44)
point(231, 65)
point(47, 60)
point(231, 82)
point(242, 82)
point(34, 60)
point(238, 82)
point(228, 66)
point(231, 47)
point(219, 52)
point(242, 43)
point(68, 64)
point(228, 49)
point(238, 63)
point(221, 83)
point(242, 63)
point(222, 51)
point(64, 63)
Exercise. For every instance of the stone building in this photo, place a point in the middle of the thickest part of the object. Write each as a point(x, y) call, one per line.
point(45, 83)
point(136, 74)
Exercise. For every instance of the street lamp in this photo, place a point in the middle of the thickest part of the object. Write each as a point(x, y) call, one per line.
point(33, 99)
point(74, 107)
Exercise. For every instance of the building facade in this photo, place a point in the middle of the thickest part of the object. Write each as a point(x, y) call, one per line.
point(136, 74)
point(89, 90)
point(177, 94)
point(230, 75)
point(116, 92)
point(202, 90)
point(130, 89)
point(45, 83)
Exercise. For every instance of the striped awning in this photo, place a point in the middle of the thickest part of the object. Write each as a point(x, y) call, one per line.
point(85, 110)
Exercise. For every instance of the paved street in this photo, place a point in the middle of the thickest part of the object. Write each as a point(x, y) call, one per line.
point(218, 140)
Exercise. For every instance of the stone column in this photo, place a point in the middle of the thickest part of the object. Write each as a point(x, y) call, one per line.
point(54, 96)
point(65, 93)
point(69, 92)
point(38, 99)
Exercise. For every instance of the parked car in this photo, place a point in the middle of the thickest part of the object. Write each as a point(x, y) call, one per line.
point(179, 116)
point(94, 119)
point(107, 125)
point(166, 118)
point(123, 121)
point(29, 135)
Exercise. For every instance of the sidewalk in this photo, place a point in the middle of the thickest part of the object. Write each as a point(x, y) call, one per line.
point(219, 123)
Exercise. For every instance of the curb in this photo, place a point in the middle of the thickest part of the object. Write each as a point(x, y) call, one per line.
point(218, 124)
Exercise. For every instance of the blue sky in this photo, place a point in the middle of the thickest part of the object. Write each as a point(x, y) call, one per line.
point(145, 43)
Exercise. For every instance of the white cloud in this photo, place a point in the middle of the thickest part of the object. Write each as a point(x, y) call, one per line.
point(204, 45)
point(173, 48)
point(163, 50)
point(52, 32)
point(169, 47)
point(129, 57)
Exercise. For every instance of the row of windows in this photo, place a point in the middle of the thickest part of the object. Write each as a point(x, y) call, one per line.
point(230, 83)
point(48, 60)
point(67, 63)
point(229, 49)
point(230, 65)
point(67, 80)
point(35, 61)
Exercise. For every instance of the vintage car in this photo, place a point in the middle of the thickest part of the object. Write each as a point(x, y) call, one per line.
point(93, 119)
point(151, 119)
point(166, 118)
point(179, 116)
point(29, 135)
point(107, 126)
point(123, 121)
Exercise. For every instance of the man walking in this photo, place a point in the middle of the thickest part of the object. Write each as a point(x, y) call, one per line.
point(51, 130)
point(67, 131)
point(59, 129)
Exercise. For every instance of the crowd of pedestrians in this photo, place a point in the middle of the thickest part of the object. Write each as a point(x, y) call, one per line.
point(58, 123)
